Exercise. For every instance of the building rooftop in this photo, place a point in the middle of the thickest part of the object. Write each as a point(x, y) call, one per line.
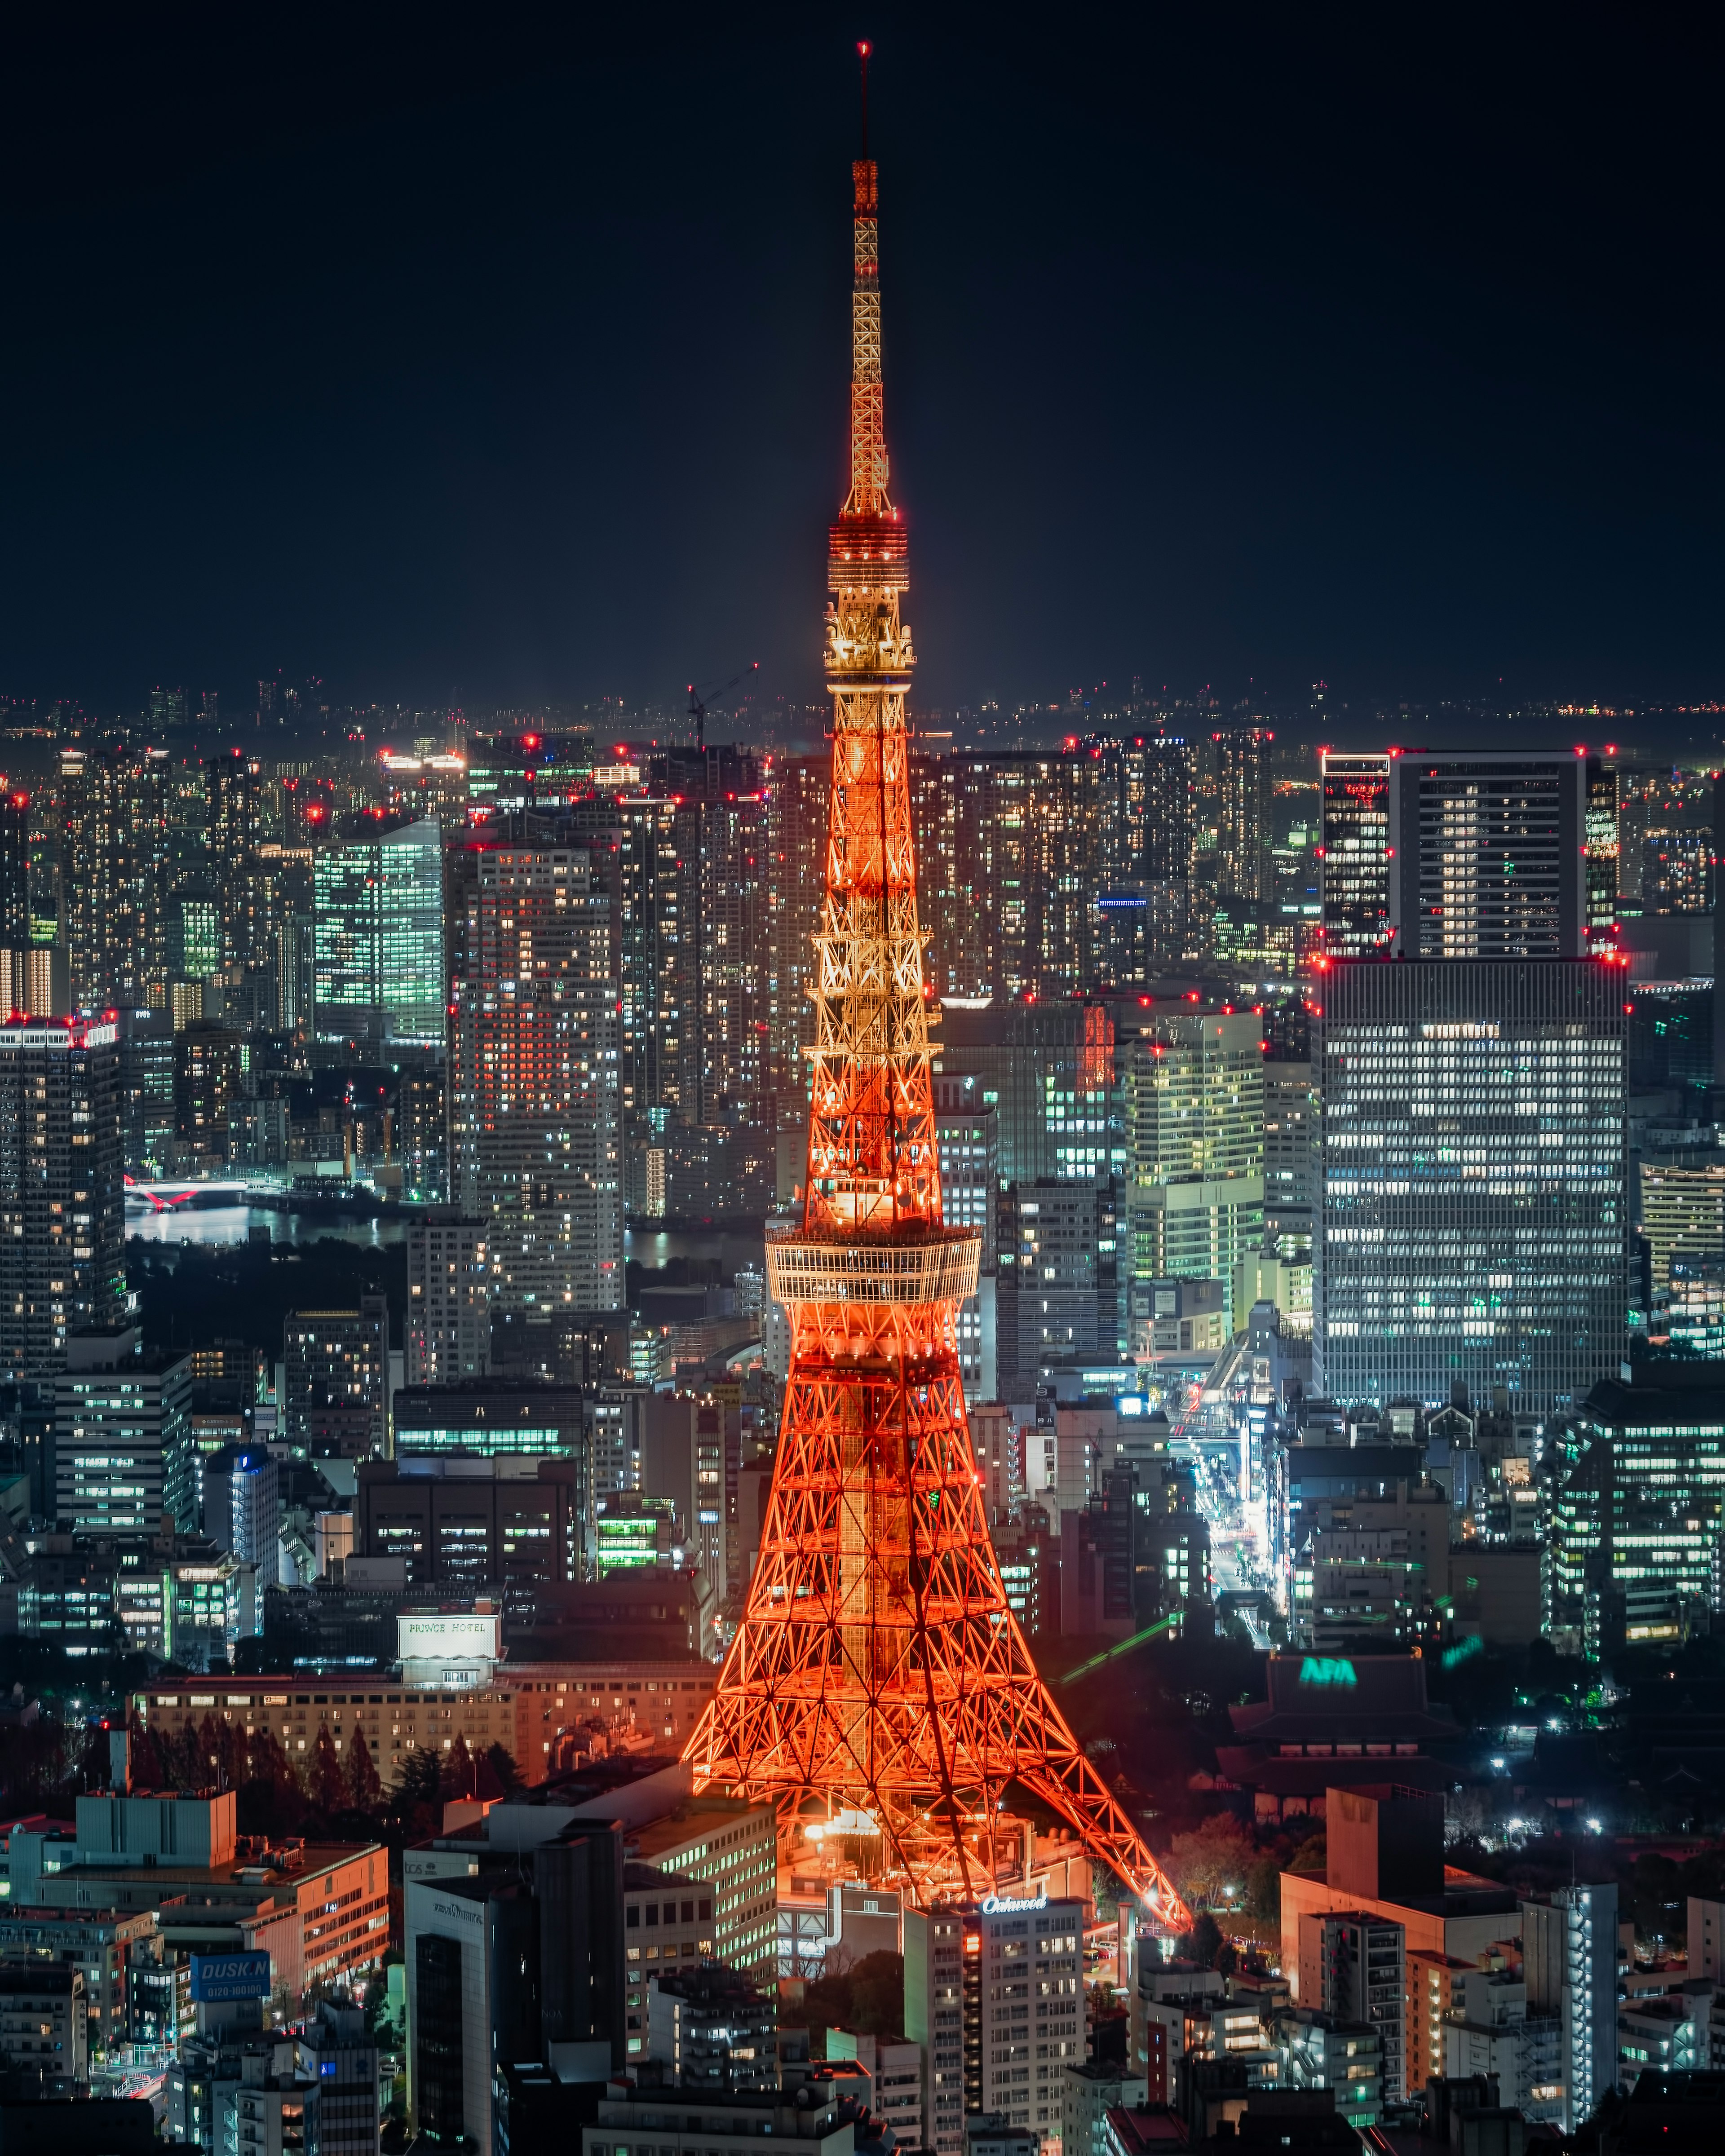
point(1135, 2127)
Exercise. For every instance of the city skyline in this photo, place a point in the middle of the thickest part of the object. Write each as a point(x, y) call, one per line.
point(984, 1428)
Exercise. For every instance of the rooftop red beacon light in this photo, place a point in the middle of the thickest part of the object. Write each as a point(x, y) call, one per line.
point(878, 1669)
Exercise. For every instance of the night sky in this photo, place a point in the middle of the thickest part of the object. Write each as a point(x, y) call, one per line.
point(437, 358)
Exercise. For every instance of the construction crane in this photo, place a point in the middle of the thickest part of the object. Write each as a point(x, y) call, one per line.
point(700, 705)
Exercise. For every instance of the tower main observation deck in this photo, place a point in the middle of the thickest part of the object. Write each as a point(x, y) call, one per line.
point(878, 1689)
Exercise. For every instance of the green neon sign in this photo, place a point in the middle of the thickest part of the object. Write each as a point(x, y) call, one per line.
point(1327, 1670)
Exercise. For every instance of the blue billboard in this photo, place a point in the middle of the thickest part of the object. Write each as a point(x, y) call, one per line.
point(216, 1977)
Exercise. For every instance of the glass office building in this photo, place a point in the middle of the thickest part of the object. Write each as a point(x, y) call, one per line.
point(379, 962)
point(1473, 1214)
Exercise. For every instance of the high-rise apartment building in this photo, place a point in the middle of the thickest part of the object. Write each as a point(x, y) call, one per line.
point(379, 965)
point(1488, 855)
point(449, 1321)
point(1352, 1968)
point(114, 874)
point(645, 850)
point(1292, 1110)
point(1355, 852)
point(335, 1376)
point(535, 1142)
point(995, 1995)
point(233, 783)
point(734, 953)
point(206, 1086)
point(145, 1053)
point(62, 1190)
point(1242, 811)
point(1151, 851)
point(1050, 1072)
point(1474, 1205)
point(796, 793)
point(1569, 1958)
point(1196, 1198)
point(14, 869)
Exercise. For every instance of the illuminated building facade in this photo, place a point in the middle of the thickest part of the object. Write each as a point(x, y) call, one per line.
point(1196, 1201)
point(1487, 855)
point(62, 1190)
point(1474, 1200)
point(1682, 1213)
point(1355, 848)
point(967, 1131)
point(1602, 856)
point(1059, 1297)
point(379, 963)
point(114, 874)
point(233, 783)
point(122, 1441)
point(1637, 1505)
point(448, 1320)
point(797, 799)
point(534, 1126)
point(1242, 811)
point(878, 1682)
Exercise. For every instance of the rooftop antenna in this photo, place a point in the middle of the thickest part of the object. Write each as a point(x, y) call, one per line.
point(864, 49)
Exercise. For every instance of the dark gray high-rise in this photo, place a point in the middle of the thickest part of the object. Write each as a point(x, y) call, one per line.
point(1487, 855)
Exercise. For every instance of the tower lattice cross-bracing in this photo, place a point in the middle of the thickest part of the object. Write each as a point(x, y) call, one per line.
point(878, 1689)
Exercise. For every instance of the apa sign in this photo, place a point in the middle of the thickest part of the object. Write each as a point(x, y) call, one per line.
point(1327, 1670)
point(217, 1977)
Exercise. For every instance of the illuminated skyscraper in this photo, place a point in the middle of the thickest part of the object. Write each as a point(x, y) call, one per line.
point(14, 868)
point(735, 953)
point(62, 1191)
point(798, 839)
point(114, 874)
point(1196, 1200)
point(1487, 855)
point(644, 850)
point(1474, 1200)
point(1602, 856)
point(535, 1140)
point(1355, 852)
point(1243, 808)
point(233, 782)
point(380, 935)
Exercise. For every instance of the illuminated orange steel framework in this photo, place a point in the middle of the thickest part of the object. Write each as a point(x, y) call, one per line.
point(879, 1687)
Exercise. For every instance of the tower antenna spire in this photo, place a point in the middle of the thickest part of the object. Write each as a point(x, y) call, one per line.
point(864, 49)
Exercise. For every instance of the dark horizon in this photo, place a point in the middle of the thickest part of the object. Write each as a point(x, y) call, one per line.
point(507, 367)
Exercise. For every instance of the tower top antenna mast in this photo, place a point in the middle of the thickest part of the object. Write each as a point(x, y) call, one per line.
point(864, 49)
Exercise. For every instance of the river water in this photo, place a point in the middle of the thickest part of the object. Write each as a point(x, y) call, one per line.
point(214, 1225)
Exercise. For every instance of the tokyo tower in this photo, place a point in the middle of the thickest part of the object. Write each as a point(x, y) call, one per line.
point(878, 1689)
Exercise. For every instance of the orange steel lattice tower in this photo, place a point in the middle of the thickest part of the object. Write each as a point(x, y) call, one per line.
point(879, 1688)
